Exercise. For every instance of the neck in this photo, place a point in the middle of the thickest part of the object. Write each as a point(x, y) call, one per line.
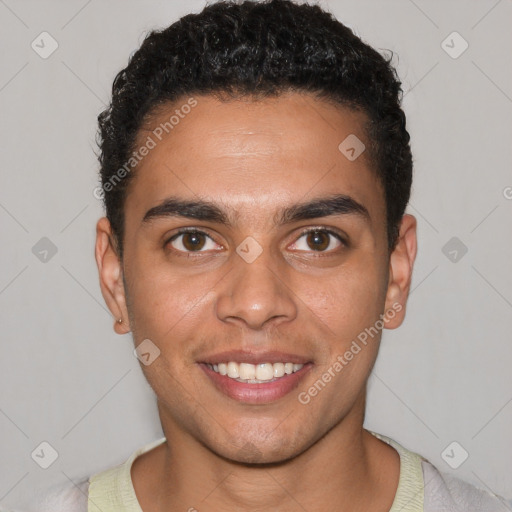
point(346, 469)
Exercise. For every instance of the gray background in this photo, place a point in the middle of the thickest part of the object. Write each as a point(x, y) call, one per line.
point(68, 379)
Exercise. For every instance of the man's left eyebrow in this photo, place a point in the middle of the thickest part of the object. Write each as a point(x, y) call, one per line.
point(338, 204)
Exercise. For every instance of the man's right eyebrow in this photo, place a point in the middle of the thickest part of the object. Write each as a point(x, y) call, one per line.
point(191, 209)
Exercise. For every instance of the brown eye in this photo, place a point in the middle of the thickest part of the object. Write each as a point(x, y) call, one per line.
point(317, 240)
point(192, 241)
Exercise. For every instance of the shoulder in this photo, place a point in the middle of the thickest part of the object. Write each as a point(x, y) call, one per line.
point(447, 493)
point(63, 498)
point(423, 487)
point(106, 486)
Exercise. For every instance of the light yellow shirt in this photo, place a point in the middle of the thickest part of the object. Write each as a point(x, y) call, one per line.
point(112, 490)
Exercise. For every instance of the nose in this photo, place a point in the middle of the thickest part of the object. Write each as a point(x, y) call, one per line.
point(256, 294)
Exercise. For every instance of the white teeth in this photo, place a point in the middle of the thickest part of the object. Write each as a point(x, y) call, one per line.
point(253, 374)
point(265, 371)
point(233, 370)
point(278, 369)
point(246, 371)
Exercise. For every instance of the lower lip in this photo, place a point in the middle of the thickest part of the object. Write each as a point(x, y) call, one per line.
point(263, 393)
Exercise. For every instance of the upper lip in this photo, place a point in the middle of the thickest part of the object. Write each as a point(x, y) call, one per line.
point(241, 356)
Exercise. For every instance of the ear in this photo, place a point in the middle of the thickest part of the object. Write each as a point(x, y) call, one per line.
point(401, 263)
point(111, 275)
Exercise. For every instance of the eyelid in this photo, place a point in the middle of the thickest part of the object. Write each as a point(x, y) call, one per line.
point(191, 229)
point(331, 231)
point(327, 229)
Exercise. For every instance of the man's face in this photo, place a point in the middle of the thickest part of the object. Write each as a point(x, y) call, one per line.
point(255, 286)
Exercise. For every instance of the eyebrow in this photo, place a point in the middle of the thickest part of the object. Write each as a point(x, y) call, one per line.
point(202, 210)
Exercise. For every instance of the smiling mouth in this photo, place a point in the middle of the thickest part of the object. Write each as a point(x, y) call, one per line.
point(255, 373)
point(259, 383)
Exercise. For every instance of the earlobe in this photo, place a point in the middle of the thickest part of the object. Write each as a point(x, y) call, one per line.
point(110, 275)
point(401, 264)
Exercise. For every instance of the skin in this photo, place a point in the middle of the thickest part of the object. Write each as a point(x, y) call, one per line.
point(253, 158)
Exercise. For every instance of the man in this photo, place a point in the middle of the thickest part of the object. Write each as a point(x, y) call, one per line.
point(255, 169)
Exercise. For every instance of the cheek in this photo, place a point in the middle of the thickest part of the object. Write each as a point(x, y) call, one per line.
point(164, 304)
point(346, 302)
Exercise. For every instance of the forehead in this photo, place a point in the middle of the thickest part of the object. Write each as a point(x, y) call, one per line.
point(252, 156)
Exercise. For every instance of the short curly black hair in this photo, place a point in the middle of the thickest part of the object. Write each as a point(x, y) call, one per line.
point(256, 48)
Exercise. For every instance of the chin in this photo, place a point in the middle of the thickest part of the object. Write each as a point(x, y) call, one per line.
point(251, 451)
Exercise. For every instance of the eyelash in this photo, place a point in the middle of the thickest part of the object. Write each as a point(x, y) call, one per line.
point(335, 234)
point(305, 231)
